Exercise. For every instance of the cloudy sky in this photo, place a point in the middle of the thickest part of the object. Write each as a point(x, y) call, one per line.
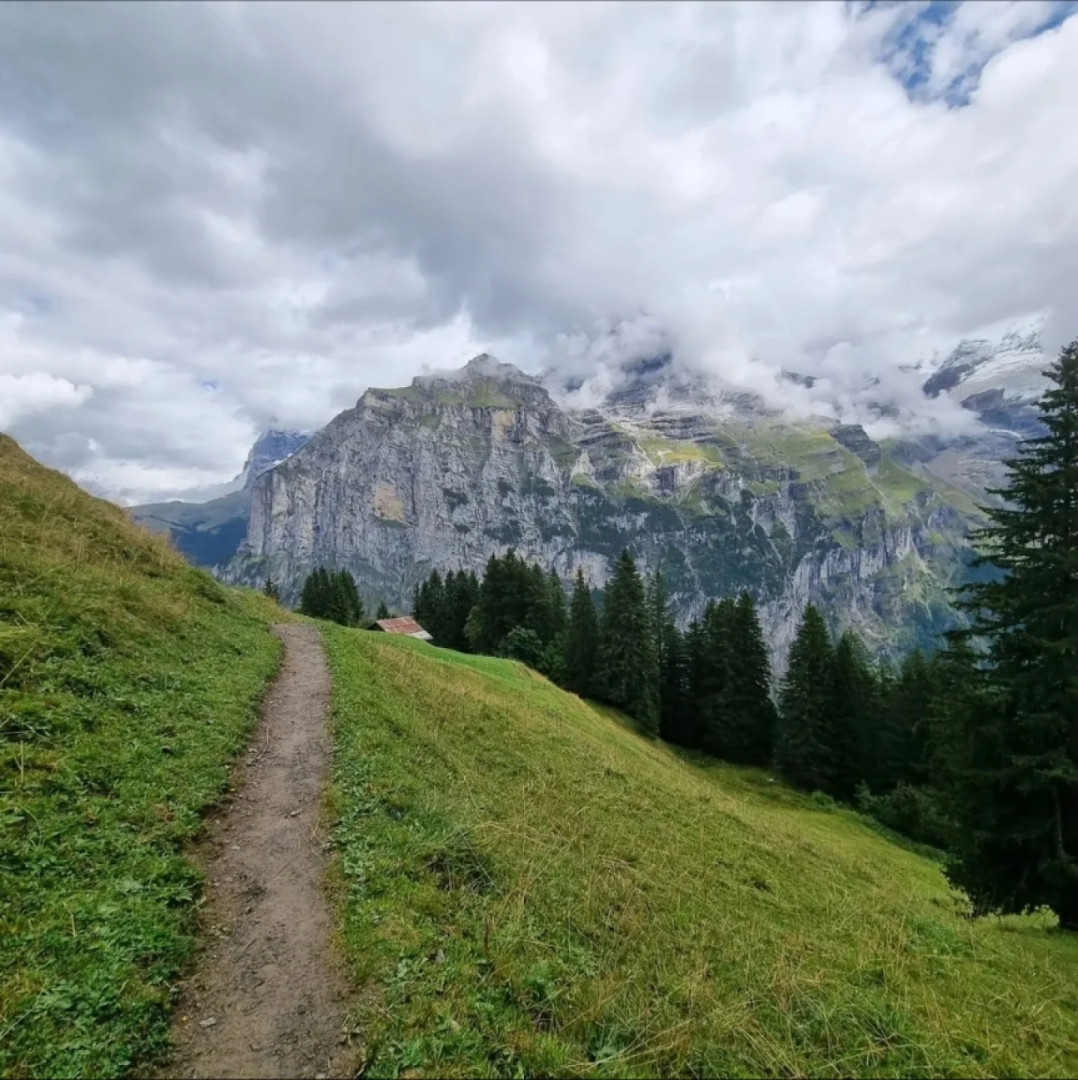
point(217, 216)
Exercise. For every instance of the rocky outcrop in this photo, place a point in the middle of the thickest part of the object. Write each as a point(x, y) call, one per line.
point(270, 449)
point(451, 469)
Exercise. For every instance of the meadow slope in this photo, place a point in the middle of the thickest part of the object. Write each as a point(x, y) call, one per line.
point(127, 682)
point(530, 888)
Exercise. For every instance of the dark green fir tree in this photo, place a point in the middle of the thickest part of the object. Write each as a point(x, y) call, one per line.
point(627, 669)
point(806, 731)
point(855, 712)
point(1016, 794)
point(742, 727)
point(581, 640)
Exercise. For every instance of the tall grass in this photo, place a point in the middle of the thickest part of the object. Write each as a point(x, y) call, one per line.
point(530, 888)
point(127, 681)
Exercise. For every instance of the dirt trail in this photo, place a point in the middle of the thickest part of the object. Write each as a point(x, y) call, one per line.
point(266, 998)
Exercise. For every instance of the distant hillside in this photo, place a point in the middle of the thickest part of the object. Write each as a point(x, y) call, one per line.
point(127, 681)
point(209, 533)
point(532, 889)
point(205, 534)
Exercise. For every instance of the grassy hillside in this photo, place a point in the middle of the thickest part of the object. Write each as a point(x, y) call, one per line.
point(127, 680)
point(529, 888)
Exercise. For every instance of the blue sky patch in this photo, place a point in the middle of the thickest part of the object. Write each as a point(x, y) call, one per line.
point(909, 51)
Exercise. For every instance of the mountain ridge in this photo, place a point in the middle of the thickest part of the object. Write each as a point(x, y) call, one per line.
point(456, 467)
point(714, 485)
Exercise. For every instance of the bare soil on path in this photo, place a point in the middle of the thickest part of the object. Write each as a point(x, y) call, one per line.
point(267, 997)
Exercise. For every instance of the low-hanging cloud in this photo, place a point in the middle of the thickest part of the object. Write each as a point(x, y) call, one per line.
point(212, 214)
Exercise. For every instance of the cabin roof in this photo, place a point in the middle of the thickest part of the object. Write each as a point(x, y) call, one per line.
point(403, 625)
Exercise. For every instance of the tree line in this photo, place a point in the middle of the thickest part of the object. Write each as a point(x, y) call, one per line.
point(842, 725)
point(330, 594)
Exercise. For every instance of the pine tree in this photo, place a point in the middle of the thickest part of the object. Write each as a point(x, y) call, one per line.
point(348, 603)
point(911, 704)
point(742, 725)
point(675, 703)
point(626, 665)
point(718, 626)
point(552, 661)
point(441, 620)
point(885, 748)
point(316, 596)
point(1016, 799)
point(806, 729)
point(556, 593)
point(459, 597)
point(269, 588)
point(307, 600)
point(490, 621)
point(854, 709)
point(332, 596)
point(689, 727)
point(382, 612)
point(333, 603)
point(672, 667)
point(581, 640)
point(429, 608)
point(538, 614)
point(960, 687)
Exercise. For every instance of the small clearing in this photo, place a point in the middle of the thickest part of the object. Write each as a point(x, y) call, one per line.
point(267, 998)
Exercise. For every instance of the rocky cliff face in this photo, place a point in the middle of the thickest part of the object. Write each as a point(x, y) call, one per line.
point(722, 495)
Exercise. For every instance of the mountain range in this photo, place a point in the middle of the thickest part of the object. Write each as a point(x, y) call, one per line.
point(714, 486)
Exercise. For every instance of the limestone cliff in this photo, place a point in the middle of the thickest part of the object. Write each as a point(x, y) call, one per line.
point(449, 470)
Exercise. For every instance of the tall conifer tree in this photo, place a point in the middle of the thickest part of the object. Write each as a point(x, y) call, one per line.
point(671, 661)
point(854, 713)
point(718, 627)
point(806, 730)
point(1017, 796)
point(581, 639)
point(742, 726)
point(627, 668)
point(689, 731)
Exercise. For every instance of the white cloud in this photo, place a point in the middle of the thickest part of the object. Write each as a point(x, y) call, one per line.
point(211, 215)
point(22, 396)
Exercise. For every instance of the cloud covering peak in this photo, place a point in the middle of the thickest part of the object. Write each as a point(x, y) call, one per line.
point(215, 213)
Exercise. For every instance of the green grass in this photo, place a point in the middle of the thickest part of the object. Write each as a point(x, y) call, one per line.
point(662, 451)
point(127, 681)
point(898, 486)
point(806, 447)
point(529, 888)
point(409, 393)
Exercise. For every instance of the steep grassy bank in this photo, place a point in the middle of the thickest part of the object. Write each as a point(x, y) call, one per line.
point(127, 681)
point(532, 889)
